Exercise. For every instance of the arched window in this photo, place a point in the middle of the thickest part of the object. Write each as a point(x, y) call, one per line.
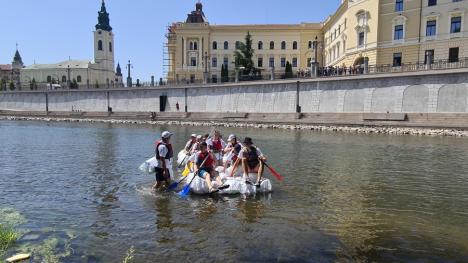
point(99, 44)
point(78, 79)
point(272, 45)
point(310, 44)
point(226, 45)
point(191, 45)
point(64, 79)
point(215, 45)
point(110, 46)
point(49, 79)
point(283, 45)
point(295, 45)
point(237, 44)
point(260, 45)
point(195, 46)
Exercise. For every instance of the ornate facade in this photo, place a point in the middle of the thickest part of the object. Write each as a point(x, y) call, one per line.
point(374, 32)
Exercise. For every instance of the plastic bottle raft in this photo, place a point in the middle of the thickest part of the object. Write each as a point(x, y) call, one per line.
point(237, 184)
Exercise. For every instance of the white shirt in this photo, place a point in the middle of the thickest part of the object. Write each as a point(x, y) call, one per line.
point(163, 151)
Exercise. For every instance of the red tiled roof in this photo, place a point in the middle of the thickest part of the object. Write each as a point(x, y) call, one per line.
point(5, 67)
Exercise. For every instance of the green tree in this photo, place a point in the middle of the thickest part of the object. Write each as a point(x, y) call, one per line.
point(97, 85)
point(3, 84)
point(224, 73)
point(288, 73)
point(74, 84)
point(12, 85)
point(243, 56)
point(33, 84)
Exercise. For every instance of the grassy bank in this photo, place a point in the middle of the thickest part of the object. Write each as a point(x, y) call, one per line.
point(8, 238)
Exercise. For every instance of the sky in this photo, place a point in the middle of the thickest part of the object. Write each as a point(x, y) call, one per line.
point(50, 31)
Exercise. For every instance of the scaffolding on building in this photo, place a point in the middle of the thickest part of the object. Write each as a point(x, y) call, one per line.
point(169, 54)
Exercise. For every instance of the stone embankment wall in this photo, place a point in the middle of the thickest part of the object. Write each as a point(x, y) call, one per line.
point(426, 92)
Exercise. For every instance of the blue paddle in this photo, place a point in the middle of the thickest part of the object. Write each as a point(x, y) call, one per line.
point(186, 189)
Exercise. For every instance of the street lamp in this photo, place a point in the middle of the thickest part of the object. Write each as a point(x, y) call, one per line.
point(68, 79)
point(315, 64)
point(205, 73)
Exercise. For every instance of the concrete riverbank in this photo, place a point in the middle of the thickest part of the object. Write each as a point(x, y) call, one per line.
point(319, 128)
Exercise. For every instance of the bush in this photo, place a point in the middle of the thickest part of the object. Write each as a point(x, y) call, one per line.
point(8, 237)
point(12, 85)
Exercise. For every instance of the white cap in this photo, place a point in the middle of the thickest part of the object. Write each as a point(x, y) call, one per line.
point(199, 137)
point(194, 135)
point(232, 137)
point(166, 135)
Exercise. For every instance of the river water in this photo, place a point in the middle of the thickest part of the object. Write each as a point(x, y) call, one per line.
point(345, 198)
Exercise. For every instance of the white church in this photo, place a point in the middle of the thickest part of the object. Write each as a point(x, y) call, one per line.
point(99, 73)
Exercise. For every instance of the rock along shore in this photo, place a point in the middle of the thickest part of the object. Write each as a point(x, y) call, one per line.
point(319, 128)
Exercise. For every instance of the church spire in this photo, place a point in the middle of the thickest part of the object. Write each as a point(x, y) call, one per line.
point(103, 19)
point(118, 70)
point(17, 60)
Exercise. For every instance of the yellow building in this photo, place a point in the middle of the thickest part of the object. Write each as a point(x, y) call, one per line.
point(361, 32)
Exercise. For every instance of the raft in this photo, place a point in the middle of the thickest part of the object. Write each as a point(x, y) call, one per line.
point(237, 185)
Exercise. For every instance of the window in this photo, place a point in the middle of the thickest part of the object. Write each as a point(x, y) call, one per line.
point(397, 59)
point(295, 45)
point(309, 62)
point(398, 32)
point(283, 45)
point(260, 62)
point(429, 54)
point(260, 45)
point(272, 45)
point(195, 46)
point(294, 62)
point(110, 46)
point(191, 46)
point(64, 79)
point(431, 2)
point(310, 44)
point(226, 45)
point(431, 27)
point(453, 54)
point(99, 44)
point(78, 79)
point(49, 79)
point(215, 45)
point(272, 62)
point(361, 38)
point(225, 62)
point(237, 45)
point(283, 62)
point(214, 78)
point(192, 78)
point(214, 62)
point(455, 26)
point(193, 61)
point(399, 6)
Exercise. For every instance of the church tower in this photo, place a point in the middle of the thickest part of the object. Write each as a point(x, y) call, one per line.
point(104, 48)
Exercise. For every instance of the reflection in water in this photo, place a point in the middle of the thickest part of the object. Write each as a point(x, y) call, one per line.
point(107, 181)
point(345, 198)
point(252, 209)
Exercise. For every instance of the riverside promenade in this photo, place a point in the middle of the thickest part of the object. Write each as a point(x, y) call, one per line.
point(429, 99)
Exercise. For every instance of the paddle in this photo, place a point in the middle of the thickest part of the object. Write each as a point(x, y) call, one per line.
point(273, 172)
point(186, 189)
point(180, 164)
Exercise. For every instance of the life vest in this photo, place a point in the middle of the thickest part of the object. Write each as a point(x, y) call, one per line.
point(201, 157)
point(252, 156)
point(217, 145)
point(170, 152)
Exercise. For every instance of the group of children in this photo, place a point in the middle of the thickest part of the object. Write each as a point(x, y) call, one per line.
point(207, 153)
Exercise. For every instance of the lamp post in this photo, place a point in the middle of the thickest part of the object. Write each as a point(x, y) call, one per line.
point(315, 65)
point(129, 78)
point(68, 79)
point(205, 73)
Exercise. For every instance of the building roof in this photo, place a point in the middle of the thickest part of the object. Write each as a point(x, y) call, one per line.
point(74, 64)
point(5, 67)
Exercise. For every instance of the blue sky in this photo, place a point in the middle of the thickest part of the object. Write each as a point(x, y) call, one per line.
point(49, 31)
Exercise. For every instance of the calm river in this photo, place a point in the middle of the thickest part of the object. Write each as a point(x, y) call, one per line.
point(345, 198)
